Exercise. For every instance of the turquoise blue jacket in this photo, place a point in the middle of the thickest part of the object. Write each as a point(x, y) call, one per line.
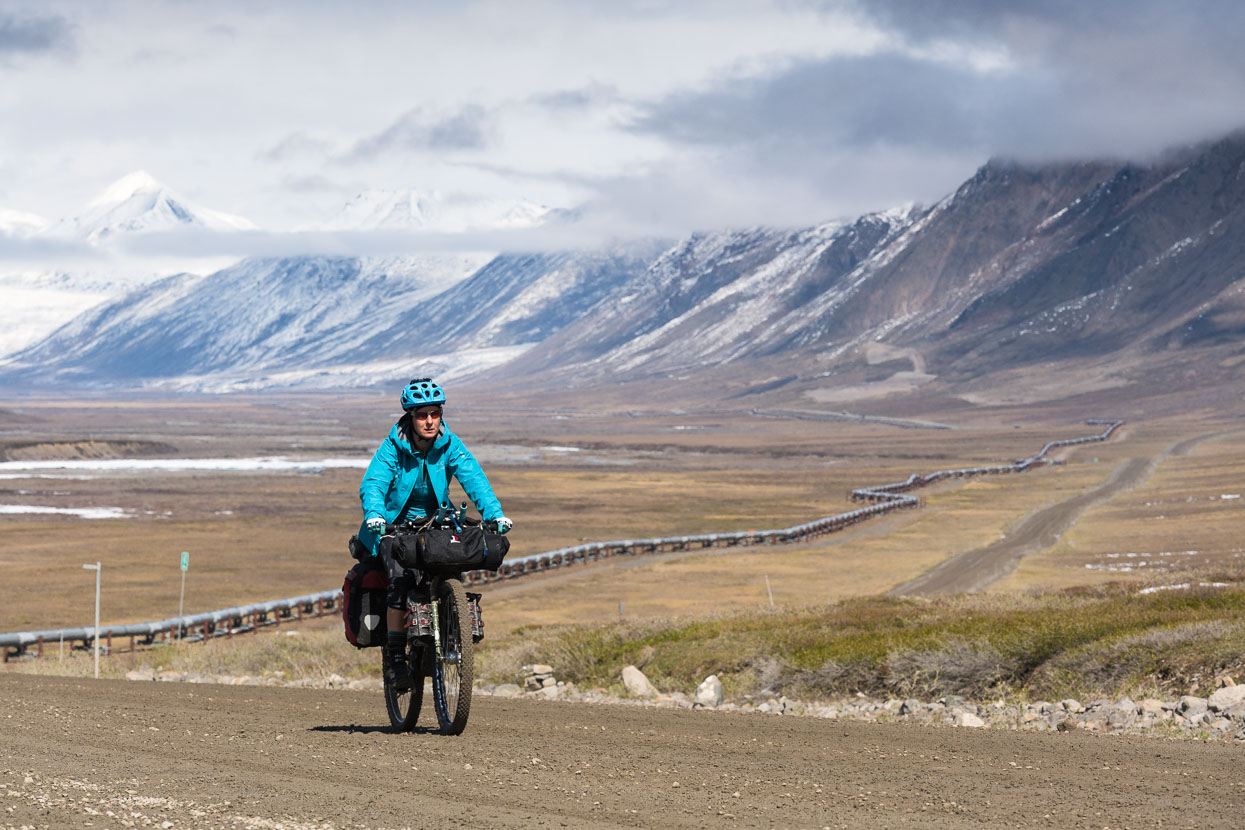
point(397, 467)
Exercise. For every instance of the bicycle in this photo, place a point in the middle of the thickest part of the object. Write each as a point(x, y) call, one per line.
point(443, 622)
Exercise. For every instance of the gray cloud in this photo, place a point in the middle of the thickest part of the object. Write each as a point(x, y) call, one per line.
point(969, 80)
point(295, 145)
point(43, 249)
point(840, 103)
point(586, 97)
point(310, 184)
point(1036, 21)
point(33, 35)
point(467, 129)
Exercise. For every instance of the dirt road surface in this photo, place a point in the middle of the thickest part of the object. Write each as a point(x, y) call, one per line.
point(111, 754)
point(975, 569)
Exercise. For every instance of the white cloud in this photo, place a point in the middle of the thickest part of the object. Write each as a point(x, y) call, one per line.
point(656, 116)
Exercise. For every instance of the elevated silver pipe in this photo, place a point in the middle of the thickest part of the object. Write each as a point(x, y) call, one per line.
point(887, 497)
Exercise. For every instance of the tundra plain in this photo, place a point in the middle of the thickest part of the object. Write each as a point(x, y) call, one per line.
point(568, 476)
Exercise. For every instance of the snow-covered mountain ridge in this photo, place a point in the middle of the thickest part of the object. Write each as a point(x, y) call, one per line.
point(432, 211)
point(1122, 266)
point(42, 297)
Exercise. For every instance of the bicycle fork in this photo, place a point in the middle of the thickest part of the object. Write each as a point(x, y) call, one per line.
point(436, 628)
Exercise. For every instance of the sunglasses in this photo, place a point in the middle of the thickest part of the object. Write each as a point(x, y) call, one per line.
point(432, 414)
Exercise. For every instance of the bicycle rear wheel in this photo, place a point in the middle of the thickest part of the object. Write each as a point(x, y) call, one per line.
point(454, 668)
point(404, 707)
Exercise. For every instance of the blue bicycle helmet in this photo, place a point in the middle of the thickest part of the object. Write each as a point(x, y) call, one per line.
point(422, 392)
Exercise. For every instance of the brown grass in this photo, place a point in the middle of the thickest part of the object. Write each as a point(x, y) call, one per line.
point(262, 536)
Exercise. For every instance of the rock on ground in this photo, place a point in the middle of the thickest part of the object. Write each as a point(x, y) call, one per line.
point(636, 683)
point(709, 693)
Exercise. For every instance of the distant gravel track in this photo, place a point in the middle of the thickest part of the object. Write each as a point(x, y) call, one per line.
point(976, 569)
point(83, 753)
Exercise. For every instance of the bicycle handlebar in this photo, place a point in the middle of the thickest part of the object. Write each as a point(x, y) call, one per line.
point(468, 521)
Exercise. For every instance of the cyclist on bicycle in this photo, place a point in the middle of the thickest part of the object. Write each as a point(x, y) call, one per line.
point(408, 478)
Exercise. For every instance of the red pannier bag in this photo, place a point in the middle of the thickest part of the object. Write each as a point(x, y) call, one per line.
point(363, 603)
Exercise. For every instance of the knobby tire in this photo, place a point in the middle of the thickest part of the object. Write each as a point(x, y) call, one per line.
point(452, 676)
point(404, 707)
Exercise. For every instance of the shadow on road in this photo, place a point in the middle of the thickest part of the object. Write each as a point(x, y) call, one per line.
point(367, 730)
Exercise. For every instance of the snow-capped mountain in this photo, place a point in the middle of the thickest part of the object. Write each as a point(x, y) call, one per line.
point(1133, 270)
point(338, 321)
point(16, 223)
point(41, 297)
point(138, 203)
point(258, 316)
point(395, 210)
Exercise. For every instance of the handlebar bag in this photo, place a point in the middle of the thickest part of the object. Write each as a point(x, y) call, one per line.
point(448, 550)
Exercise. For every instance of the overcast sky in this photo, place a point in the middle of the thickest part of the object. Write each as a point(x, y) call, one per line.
point(651, 116)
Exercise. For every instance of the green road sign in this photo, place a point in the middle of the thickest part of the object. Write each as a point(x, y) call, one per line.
point(185, 560)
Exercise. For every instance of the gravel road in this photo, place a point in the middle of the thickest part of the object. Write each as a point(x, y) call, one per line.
point(109, 754)
point(975, 569)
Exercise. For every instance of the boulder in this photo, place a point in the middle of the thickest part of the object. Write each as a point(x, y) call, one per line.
point(1236, 712)
point(1150, 706)
point(1072, 705)
point(709, 692)
point(1226, 698)
point(507, 690)
point(911, 706)
point(1191, 706)
point(636, 683)
point(963, 718)
point(1121, 717)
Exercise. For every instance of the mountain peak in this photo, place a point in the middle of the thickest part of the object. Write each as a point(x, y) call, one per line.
point(127, 187)
point(140, 203)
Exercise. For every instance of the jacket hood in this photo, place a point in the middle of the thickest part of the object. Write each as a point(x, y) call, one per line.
point(395, 435)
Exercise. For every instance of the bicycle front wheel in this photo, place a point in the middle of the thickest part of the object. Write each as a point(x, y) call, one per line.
point(454, 668)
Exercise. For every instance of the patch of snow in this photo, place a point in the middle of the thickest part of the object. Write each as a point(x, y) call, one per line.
point(267, 464)
point(1182, 586)
point(80, 512)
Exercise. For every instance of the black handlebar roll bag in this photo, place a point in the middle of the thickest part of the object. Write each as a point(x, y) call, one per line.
point(448, 550)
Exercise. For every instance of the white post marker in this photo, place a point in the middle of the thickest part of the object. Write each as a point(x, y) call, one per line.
point(181, 602)
point(95, 634)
